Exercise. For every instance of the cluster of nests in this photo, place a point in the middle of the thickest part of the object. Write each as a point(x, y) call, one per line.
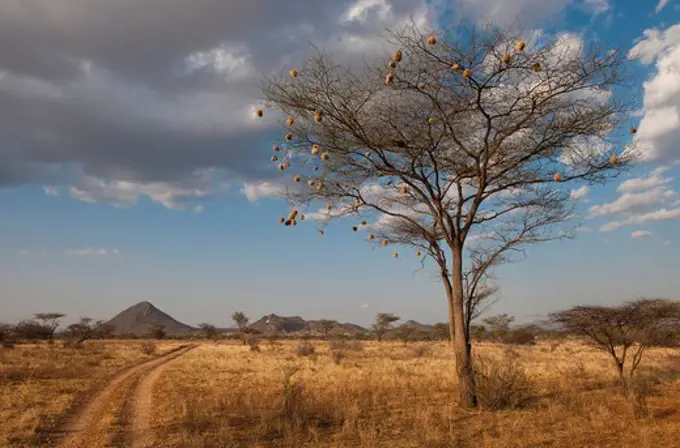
point(466, 72)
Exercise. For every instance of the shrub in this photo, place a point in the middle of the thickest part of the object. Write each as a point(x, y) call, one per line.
point(337, 356)
point(520, 336)
point(305, 349)
point(70, 343)
point(502, 385)
point(421, 351)
point(353, 346)
point(253, 343)
point(148, 347)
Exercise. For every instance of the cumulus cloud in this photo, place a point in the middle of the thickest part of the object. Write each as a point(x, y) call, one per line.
point(579, 193)
point(631, 201)
point(93, 252)
point(662, 4)
point(659, 127)
point(254, 191)
point(640, 234)
point(643, 218)
point(655, 179)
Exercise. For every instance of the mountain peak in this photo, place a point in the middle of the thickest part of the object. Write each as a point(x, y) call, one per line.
point(140, 318)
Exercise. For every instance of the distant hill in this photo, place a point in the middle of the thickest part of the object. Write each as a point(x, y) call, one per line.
point(140, 318)
point(272, 322)
point(417, 325)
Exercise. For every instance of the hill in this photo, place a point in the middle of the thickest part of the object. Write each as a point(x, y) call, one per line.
point(140, 318)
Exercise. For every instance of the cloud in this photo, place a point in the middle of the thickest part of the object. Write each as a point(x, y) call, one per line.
point(596, 7)
point(659, 128)
point(254, 191)
point(643, 218)
point(638, 234)
point(655, 179)
point(363, 305)
point(93, 252)
point(51, 191)
point(661, 5)
point(32, 253)
point(584, 229)
point(631, 201)
point(667, 243)
point(112, 114)
point(579, 193)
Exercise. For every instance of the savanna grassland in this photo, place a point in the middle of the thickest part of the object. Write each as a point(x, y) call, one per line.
point(552, 394)
point(41, 383)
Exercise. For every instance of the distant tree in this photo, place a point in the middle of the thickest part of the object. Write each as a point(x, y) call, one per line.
point(405, 332)
point(240, 319)
point(209, 331)
point(635, 325)
point(50, 321)
point(441, 331)
point(33, 330)
point(6, 334)
point(87, 328)
point(499, 324)
point(326, 326)
point(157, 331)
point(477, 332)
point(383, 322)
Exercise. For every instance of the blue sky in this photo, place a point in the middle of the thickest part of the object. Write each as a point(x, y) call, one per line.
point(122, 179)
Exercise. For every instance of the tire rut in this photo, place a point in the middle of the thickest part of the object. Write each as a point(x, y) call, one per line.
point(98, 423)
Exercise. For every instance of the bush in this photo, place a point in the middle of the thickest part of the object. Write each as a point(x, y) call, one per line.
point(253, 343)
point(305, 349)
point(148, 347)
point(353, 346)
point(421, 351)
point(69, 343)
point(337, 356)
point(520, 336)
point(502, 385)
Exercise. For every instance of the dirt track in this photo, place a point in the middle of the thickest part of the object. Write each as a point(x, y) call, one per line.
point(97, 424)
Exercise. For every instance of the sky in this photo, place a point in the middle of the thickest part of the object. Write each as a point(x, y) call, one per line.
point(131, 167)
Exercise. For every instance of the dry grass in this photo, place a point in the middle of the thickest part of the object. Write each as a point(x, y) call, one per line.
point(389, 395)
point(39, 382)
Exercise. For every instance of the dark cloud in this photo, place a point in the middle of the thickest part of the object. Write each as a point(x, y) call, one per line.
point(104, 90)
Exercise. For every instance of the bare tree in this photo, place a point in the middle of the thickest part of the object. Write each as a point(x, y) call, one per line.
point(209, 331)
point(49, 321)
point(469, 142)
point(499, 324)
point(383, 322)
point(326, 326)
point(617, 330)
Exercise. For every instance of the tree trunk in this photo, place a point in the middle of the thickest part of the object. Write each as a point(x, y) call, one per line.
point(461, 348)
point(449, 298)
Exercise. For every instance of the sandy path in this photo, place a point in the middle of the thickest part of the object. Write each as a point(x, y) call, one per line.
point(142, 433)
point(91, 427)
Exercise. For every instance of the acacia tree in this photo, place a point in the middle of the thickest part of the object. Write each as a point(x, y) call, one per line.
point(326, 326)
point(383, 322)
point(463, 147)
point(209, 331)
point(87, 328)
point(620, 330)
point(50, 322)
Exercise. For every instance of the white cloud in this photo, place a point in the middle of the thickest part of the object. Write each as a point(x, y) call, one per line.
point(643, 218)
point(51, 191)
point(579, 193)
point(93, 252)
point(597, 7)
point(360, 10)
point(661, 5)
point(172, 195)
point(584, 229)
point(659, 128)
point(640, 234)
point(254, 191)
point(32, 253)
point(234, 62)
point(655, 179)
point(630, 201)
point(363, 305)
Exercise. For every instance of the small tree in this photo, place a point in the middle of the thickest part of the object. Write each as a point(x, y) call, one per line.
point(209, 331)
point(498, 326)
point(465, 148)
point(32, 330)
point(383, 322)
point(635, 326)
point(326, 326)
point(157, 331)
point(50, 321)
point(87, 328)
point(6, 334)
point(441, 331)
point(405, 332)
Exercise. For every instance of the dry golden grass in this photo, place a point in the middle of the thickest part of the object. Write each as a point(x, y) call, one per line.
point(39, 382)
point(391, 395)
